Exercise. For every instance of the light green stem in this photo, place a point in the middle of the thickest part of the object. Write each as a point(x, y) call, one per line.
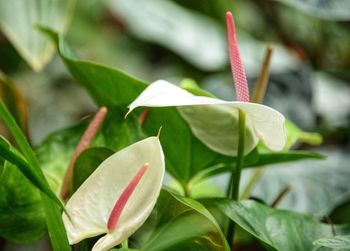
point(233, 189)
point(258, 172)
point(125, 244)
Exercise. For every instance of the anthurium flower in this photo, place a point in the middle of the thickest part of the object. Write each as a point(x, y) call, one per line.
point(214, 121)
point(118, 196)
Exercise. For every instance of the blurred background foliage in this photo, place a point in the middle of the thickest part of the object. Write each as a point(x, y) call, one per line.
point(177, 39)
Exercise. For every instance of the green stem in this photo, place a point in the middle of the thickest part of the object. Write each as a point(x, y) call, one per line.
point(187, 191)
point(258, 172)
point(125, 244)
point(233, 190)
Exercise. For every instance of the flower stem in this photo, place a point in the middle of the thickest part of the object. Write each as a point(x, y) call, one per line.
point(281, 196)
point(262, 81)
point(258, 97)
point(258, 172)
point(233, 190)
point(84, 143)
point(187, 191)
point(125, 244)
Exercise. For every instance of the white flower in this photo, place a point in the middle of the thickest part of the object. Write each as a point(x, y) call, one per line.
point(214, 121)
point(118, 196)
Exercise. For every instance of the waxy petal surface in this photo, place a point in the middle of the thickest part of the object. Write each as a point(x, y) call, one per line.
point(91, 205)
point(214, 121)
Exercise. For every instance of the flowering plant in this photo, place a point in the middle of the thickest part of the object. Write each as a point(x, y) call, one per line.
point(111, 184)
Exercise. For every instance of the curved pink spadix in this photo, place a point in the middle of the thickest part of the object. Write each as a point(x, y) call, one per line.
point(124, 197)
point(238, 73)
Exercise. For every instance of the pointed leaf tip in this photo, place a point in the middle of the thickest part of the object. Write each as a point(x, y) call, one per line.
point(124, 197)
point(241, 84)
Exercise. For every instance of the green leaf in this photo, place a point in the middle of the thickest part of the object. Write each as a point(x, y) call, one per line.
point(22, 218)
point(191, 86)
point(107, 86)
point(282, 157)
point(118, 132)
point(328, 9)
point(340, 214)
point(180, 224)
point(55, 152)
point(336, 242)
point(11, 155)
point(124, 249)
point(255, 159)
point(277, 229)
point(18, 20)
point(52, 204)
point(87, 162)
point(295, 134)
point(185, 154)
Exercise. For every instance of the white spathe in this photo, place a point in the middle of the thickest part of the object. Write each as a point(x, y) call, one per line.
point(91, 205)
point(214, 121)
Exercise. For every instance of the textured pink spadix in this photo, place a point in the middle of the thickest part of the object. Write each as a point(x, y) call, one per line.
point(238, 73)
point(124, 197)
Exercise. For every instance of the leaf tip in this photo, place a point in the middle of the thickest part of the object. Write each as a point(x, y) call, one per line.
point(159, 132)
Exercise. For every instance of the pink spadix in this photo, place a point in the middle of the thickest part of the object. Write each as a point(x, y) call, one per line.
point(124, 197)
point(238, 73)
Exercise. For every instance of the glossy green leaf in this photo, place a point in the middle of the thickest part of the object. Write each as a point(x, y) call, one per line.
point(55, 152)
point(87, 162)
point(255, 159)
point(52, 205)
point(11, 155)
point(336, 242)
point(185, 154)
point(277, 229)
point(107, 86)
point(18, 20)
point(180, 224)
point(124, 249)
point(22, 218)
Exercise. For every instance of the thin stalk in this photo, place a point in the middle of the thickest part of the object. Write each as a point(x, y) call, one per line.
point(258, 172)
point(187, 191)
point(281, 196)
point(258, 97)
point(125, 244)
point(84, 143)
point(143, 116)
point(233, 190)
point(262, 81)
